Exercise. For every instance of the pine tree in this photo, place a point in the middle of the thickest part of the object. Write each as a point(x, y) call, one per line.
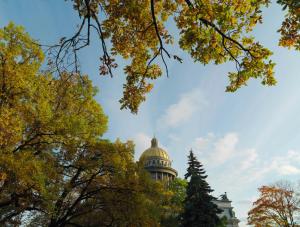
point(199, 210)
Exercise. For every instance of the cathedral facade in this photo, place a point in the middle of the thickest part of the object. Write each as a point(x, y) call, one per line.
point(158, 163)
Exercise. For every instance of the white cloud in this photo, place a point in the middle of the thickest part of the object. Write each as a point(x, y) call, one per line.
point(216, 150)
point(286, 164)
point(280, 165)
point(225, 148)
point(201, 143)
point(288, 170)
point(183, 110)
point(250, 156)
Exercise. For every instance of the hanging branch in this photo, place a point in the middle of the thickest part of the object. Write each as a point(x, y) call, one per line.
point(224, 39)
point(65, 54)
point(161, 49)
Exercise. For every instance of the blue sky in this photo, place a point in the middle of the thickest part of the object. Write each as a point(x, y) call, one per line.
point(245, 139)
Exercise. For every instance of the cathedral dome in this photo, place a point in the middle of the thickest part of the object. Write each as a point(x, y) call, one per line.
point(154, 152)
point(158, 163)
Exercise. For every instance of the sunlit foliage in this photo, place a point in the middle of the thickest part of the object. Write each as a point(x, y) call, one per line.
point(290, 29)
point(175, 204)
point(54, 167)
point(277, 205)
point(139, 31)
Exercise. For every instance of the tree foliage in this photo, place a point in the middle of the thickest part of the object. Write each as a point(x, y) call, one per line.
point(54, 167)
point(176, 195)
point(138, 31)
point(107, 190)
point(290, 29)
point(38, 115)
point(277, 205)
point(199, 209)
point(223, 222)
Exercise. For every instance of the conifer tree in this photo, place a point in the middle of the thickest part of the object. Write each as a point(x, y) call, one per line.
point(199, 210)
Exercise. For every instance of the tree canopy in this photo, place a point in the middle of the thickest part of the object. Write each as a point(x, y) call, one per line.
point(55, 168)
point(177, 192)
point(290, 29)
point(43, 121)
point(140, 32)
point(277, 205)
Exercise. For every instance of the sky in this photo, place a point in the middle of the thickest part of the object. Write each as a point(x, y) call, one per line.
point(244, 139)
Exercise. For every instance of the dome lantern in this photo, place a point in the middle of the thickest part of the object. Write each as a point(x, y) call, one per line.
point(154, 142)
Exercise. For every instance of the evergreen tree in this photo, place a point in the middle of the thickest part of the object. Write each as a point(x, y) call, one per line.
point(199, 209)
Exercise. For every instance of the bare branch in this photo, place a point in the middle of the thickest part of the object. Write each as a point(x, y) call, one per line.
point(162, 50)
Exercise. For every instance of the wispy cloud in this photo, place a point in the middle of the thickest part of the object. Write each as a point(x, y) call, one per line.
point(250, 156)
point(216, 150)
point(285, 164)
point(225, 148)
point(181, 111)
point(202, 143)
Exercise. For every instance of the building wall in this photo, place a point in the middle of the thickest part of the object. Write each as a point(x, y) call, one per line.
point(228, 212)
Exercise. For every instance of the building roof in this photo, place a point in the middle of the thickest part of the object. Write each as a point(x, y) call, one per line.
point(225, 198)
point(154, 152)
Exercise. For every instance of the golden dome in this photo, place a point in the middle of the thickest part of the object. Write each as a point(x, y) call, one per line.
point(154, 151)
